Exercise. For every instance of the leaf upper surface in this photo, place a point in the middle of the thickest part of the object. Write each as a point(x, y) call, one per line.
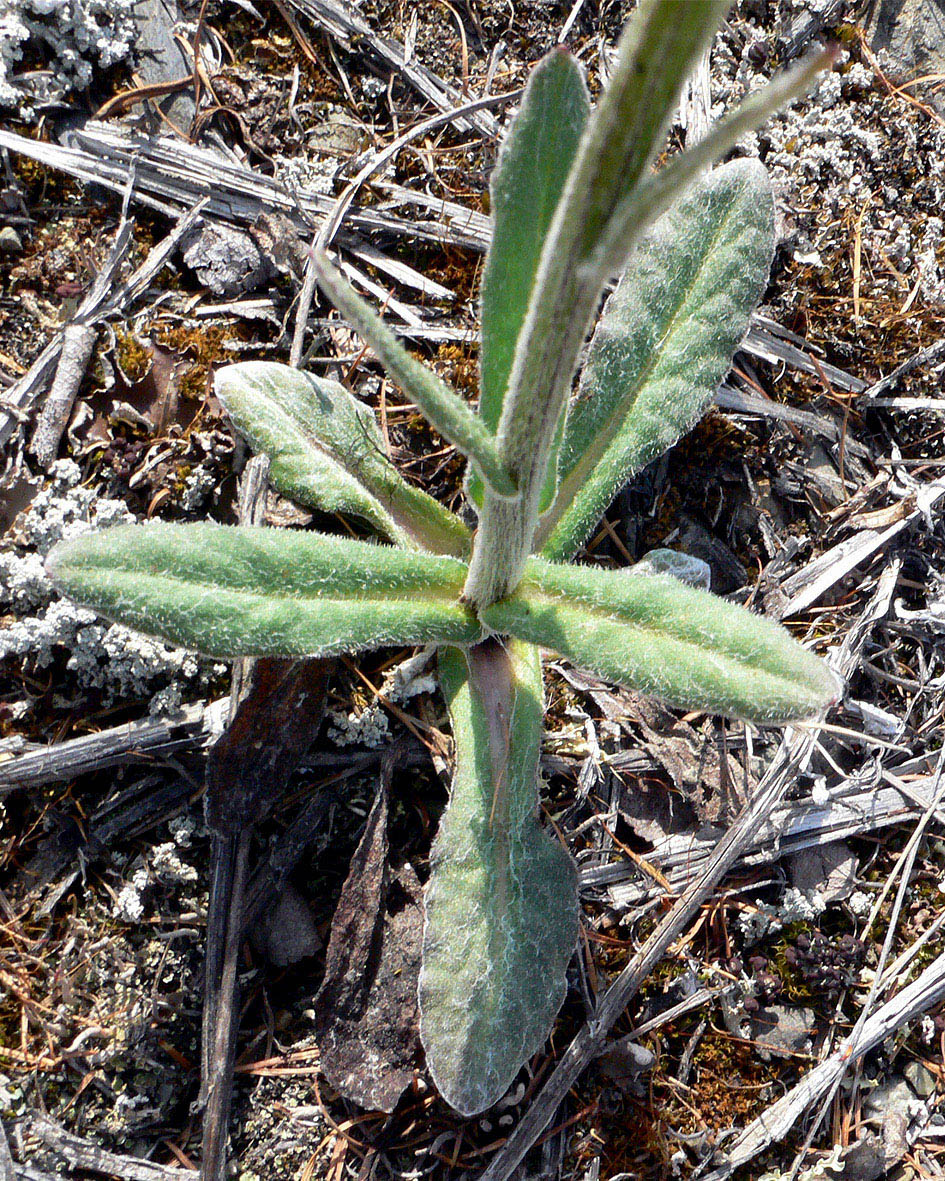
point(327, 452)
point(501, 904)
point(245, 591)
point(533, 164)
point(674, 642)
point(664, 343)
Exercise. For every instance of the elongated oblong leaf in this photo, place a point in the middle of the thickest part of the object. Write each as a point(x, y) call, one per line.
point(241, 591)
point(443, 407)
point(533, 164)
point(664, 343)
point(675, 642)
point(501, 904)
point(327, 452)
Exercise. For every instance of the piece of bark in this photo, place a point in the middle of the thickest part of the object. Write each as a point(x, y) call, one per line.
point(78, 341)
point(83, 1154)
point(366, 1014)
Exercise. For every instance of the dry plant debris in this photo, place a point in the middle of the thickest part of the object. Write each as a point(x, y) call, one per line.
point(763, 924)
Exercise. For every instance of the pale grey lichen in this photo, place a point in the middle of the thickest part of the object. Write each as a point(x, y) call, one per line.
point(197, 488)
point(797, 907)
point(120, 662)
point(75, 37)
point(860, 903)
point(169, 868)
point(129, 904)
point(369, 726)
point(182, 829)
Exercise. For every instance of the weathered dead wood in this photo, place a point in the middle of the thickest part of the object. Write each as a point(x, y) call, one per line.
point(275, 708)
point(78, 341)
point(818, 576)
point(926, 356)
point(856, 806)
point(349, 27)
point(744, 402)
point(232, 833)
point(62, 854)
point(171, 175)
point(771, 342)
point(103, 300)
point(149, 739)
point(81, 1154)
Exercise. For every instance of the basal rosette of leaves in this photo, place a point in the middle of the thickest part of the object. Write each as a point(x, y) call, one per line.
point(575, 203)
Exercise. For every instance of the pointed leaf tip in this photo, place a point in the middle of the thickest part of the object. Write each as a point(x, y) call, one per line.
point(534, 161)
point(442, 406)
point(327, 452)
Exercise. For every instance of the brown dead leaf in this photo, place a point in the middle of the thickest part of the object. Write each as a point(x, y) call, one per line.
point(366, 1016)
point(697, 763)
point(274, 725)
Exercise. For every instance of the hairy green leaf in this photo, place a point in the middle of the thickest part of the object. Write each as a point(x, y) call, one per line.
point(443, 407)
point(658, 50)
point(664, 343)
point(234, 591)
point(653, 633)
point(533, 165)
point(327, 452)
point(501, 905)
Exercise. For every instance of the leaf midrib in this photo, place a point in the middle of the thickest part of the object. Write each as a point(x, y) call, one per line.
point(643, 632)
point(197, 585)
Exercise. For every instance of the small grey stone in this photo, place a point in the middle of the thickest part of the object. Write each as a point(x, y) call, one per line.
point(912, 32)
point(865, 1160)
point(893, 1094)
point(782, 1030)
point(827, 870)
point(625, 1058)
point(895, 1137)
point(920, 1078)
point(10, 241)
